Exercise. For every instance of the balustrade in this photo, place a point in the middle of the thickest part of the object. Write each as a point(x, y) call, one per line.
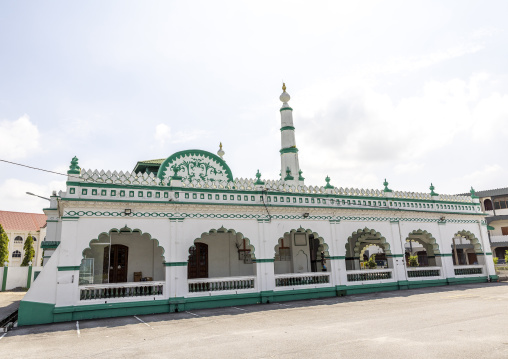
point(468, 270)
point(423, 272)
point(367, 275)
point(121, 290)
point(220, 284)
point(290, 280)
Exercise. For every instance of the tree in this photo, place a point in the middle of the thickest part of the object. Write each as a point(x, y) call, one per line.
point(28, 247)
point(4, 247)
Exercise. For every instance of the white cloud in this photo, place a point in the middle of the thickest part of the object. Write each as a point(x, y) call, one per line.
point(487, 177)
point(18, 139)
point(162, 134)
point(14, 197)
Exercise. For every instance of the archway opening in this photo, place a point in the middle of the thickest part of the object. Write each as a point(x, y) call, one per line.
point(500, 253)
point(423, 246)
point(466, 249)
point(487, 205)
point(221, 253)
point(366, 245)
point(122, 255)
point(300, 251)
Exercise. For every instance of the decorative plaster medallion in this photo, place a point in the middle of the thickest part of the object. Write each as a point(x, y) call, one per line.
point(195, 165)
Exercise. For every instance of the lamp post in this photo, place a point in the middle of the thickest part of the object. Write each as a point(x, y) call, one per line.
point(32, 194)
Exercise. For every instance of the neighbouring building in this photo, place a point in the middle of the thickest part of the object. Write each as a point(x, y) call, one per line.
point(18, 226)
point(494, 202)
point(181, 233)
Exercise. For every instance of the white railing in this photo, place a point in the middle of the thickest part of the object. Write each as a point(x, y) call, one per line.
point(298, 279)
point(121, 290)
point(221, 284)
point(495, 239)
point(423, 272)
point(473, 270)
point(365, 275)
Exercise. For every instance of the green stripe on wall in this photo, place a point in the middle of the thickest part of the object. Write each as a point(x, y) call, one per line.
point(68, 268)
point(175, 264)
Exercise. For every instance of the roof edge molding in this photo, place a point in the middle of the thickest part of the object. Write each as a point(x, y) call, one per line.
point(195, 165)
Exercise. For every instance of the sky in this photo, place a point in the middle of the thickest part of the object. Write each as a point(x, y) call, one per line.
point(415, 92)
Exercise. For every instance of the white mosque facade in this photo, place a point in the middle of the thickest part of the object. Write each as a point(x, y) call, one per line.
point(182, 233)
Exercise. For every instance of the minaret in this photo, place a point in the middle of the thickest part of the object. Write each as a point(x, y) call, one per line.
point(290, 168)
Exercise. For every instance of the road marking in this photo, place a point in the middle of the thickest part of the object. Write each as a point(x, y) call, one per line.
point(77, 328)
point(145, 323)
point(193, 314)
point(3, 335)
point(240, 309)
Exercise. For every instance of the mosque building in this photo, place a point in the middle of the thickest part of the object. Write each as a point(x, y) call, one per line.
point(182, 233)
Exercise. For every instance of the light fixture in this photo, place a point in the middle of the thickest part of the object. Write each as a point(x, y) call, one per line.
point(305, 215)
point(32, 194)
point(127, 212)
point(442, 218)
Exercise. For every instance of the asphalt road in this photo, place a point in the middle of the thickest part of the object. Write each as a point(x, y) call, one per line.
point(466, 321)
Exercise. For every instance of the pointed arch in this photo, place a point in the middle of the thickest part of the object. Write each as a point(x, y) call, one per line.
point(240, 239)
point(425, 239)
point(471, 238)
point(323, 246)
point(124, 229)
point(357, 241)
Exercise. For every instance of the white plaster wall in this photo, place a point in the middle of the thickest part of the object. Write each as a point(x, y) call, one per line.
point(223, 256)
point(17, 277)
point(497, 225)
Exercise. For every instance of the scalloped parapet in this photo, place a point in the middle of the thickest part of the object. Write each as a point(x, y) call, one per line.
point(144, 179)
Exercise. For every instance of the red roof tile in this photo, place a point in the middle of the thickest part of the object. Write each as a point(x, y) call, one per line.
point(22, 221)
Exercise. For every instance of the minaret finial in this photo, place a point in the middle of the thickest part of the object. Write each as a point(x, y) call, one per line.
point(220, 152)
point(283, 86)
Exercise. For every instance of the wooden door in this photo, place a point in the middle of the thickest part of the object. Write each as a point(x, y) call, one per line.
point(314, 255)
point(504, 231)
point(198, 261)
point(117, 261)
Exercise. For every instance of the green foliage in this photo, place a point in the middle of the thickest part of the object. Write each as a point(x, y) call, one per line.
point(506, 257)
point(413, 261)
point(28, 247)
point(495, 260)
point(4, 247)
point(371, 263)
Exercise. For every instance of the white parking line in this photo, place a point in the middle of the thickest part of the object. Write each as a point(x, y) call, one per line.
point(193, 314)
point(240, 309)
point(145, 323)
point(77, 328)
point(3, 335)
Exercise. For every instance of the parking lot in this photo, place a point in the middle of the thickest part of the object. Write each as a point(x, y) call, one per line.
point(466, 321)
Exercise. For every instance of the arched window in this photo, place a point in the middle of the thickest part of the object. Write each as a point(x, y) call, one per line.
point(35, 239)
point(487, 204)
point(18, 239)
point(16, 254)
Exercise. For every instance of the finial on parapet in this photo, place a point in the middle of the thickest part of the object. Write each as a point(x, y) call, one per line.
point(386, 186)
point(74, 168)
point(432, 193)
point(300, 177)
point(258, 181)
point(220, 152)
point(473, 193)
point(328, 185)
point(288, 177)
